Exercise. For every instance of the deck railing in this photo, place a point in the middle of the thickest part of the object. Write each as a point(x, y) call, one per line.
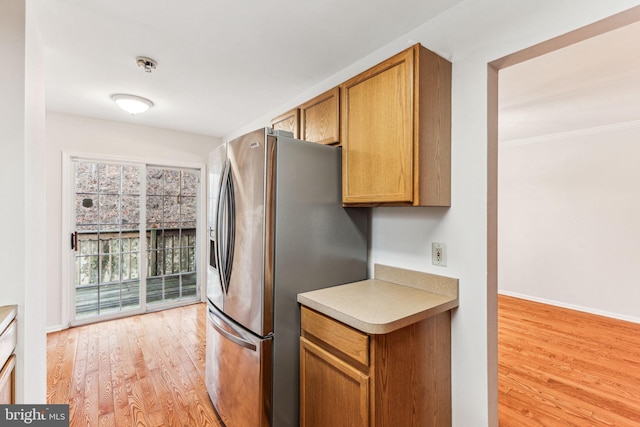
point(108, 275)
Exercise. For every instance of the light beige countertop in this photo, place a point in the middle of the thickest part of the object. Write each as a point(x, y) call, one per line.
point(395, 298)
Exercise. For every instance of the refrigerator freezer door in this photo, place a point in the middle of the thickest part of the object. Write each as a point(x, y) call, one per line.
point(248, 297)
point(237, 373)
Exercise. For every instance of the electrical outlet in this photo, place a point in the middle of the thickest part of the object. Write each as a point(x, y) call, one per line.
point(439, 254)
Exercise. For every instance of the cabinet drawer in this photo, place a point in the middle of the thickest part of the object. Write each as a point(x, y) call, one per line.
point(8, 341)
point(352, 343)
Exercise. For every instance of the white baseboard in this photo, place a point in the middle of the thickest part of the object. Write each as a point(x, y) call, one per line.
point(572, 307)
point(54, 328)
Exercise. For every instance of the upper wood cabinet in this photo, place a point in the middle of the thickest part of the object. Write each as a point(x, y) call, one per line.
point(289, 121)
point(320, 118)
point(396, 132)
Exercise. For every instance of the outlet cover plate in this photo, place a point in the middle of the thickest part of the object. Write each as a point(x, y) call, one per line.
point(439, 254)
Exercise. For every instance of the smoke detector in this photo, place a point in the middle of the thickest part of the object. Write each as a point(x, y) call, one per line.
point(147, 63)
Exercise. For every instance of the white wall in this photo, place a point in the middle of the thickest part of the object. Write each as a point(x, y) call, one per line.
point(35, 215)
point(471, 35)
point(81, 135)
point(570, 221)
point(12, 197)
point(21, 210)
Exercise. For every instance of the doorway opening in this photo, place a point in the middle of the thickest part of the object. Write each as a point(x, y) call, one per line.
point(552, 205)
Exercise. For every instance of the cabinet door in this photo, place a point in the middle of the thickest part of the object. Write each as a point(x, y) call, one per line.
point(7, 382)
point(320, 118)
point(288, 121)
point(377, 133)
point(332, 392)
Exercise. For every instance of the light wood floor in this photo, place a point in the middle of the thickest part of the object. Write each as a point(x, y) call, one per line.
point(139, 371)
point(559, 367)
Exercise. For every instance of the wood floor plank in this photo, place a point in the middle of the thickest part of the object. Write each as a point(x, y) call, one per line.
point(107, 420)
point(105, 386)
point(59, 393)
point(153, 409)
point(165, 398)
point(53, 358)
point(141, 371)
point(118, 376)
point(560, 367)
point(60, 353)
point(77, 383)
point(76, 408)
point(90, 409)
point(92, 355)
point(137, 407)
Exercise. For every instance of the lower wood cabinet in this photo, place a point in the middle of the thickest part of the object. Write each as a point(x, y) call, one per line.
point(352, 379)
point(8, 341)
point(7, 382)
point(334, 393)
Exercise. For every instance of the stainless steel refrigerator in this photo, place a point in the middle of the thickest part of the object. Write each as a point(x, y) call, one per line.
point(276, 228)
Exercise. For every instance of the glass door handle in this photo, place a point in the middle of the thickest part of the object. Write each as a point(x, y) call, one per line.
point(74, 241)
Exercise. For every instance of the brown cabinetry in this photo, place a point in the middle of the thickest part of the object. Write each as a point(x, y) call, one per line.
point(333, 393)
point(320, 118)
point(317, 120)
point(289, 121)
point(352, 379)
point(396, 132)
point(7, 382)
point(8, 340)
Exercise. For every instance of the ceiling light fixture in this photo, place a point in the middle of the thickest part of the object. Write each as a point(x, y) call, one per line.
point(132, 104)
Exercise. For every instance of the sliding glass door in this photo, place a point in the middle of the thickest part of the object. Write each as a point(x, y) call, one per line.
point(171, 234)
point(122, 211)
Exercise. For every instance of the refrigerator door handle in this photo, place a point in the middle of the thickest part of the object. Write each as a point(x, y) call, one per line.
point(236, 339)
point(218, 222)
point(231, 227)
point(220, 230)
